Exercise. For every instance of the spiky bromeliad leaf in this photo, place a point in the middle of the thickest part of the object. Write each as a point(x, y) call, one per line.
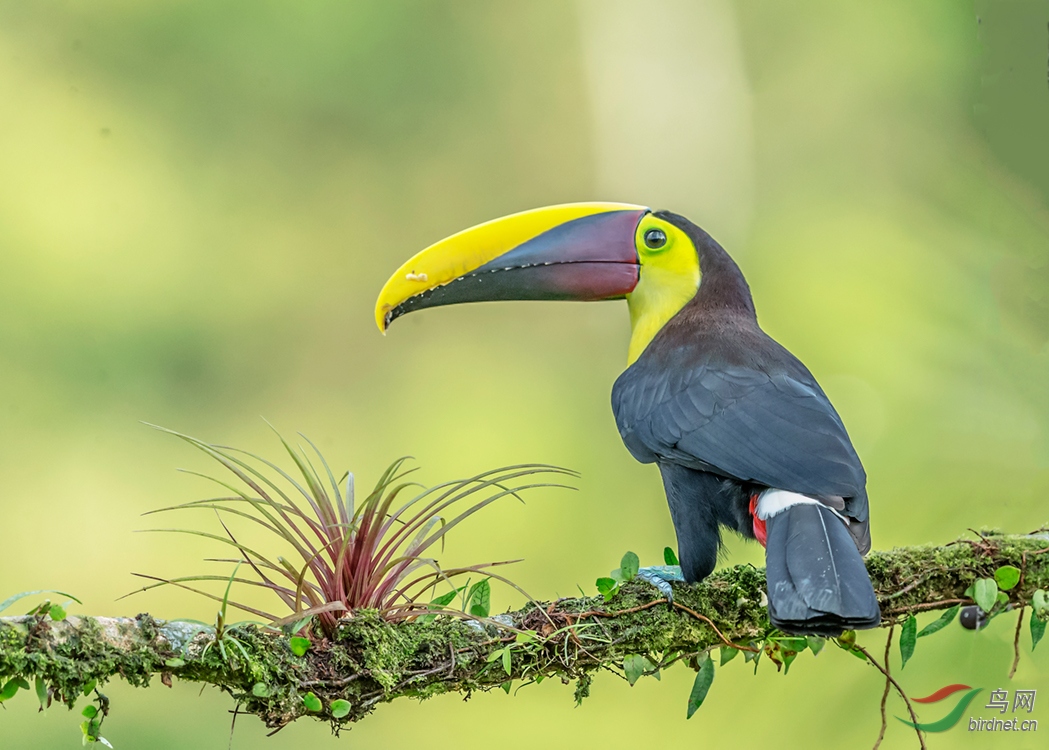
point(342, 554)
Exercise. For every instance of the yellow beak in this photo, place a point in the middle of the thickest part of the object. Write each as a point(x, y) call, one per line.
point(581, 251)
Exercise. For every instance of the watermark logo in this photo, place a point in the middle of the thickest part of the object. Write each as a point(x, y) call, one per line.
point(1023, 700)
point(955, 714)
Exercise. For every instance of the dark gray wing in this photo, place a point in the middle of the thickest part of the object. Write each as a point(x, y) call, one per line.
point(778, 429)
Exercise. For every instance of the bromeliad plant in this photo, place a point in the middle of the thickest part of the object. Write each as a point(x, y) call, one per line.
point(375, 555)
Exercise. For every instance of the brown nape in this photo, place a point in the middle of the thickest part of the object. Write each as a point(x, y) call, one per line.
point(721, 286)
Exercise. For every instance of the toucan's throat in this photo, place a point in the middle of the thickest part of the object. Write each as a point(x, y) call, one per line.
point(659, 296)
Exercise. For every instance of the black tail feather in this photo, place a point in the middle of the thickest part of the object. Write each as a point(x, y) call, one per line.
point(817, 582)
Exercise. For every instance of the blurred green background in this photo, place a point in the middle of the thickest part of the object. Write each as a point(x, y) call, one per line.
point(199, 202)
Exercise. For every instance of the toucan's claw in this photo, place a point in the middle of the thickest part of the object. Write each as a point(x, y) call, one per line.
point(661, 576)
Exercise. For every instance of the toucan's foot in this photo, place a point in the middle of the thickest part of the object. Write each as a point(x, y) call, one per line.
point(661, 577)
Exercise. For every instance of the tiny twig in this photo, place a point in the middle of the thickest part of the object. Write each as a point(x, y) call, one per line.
point(713, 627)
point(336, 683)
point(1016, 642)
point(910, 586)
point(603, 628)
point(617, 613)
point(1023, 564)
point(675, 605)
point(233, 725)
point(982, 544)
point(885, 694)
point(942, 604)
point(906, 700)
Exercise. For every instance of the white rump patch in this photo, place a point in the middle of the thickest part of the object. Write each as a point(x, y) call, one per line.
point(773, 502)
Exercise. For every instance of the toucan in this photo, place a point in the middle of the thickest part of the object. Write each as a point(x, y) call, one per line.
point(743, 435)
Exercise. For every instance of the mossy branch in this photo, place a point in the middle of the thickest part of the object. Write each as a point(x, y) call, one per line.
point(370, 661)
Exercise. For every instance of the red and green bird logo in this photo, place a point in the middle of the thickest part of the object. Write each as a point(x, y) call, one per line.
point(955, 714)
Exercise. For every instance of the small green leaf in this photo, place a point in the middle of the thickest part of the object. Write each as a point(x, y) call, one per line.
point(797, 645)
point(89, 712)
point(847, 642)
point(607, 587)
point(41, 692)
point(175, 663)
point(524, 637)
point(939, 624)
point(297, 626)
point(506, 687)
point(507, 661)
point(90, 729)
point(635, 665)
point(41, 609)
point(8, 602)
point(22, 682)
point(89, 687)
point(1003, 599)
point(669, 557)
point(728, 654)
point(704, 679)
point(629, 566)
point(1040, 603)
point(479, 599)
point(1037, 631)
point(1007, 576)
point(300, 645)
point(985, 593)
point(57, 612)
point(786, 650)
point(9, 690)
point(442, 601)
point(341, 708)
point(908, 635)
point(816, 644)
point(261, 690)
point(749, 656)
point(312, 702)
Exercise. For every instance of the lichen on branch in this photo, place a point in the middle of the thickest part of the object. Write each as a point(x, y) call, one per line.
point(368, 660)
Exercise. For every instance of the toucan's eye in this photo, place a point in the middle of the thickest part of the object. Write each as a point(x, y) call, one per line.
point(655, 238)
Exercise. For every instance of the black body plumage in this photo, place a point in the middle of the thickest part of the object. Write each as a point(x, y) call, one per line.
point(726, 412)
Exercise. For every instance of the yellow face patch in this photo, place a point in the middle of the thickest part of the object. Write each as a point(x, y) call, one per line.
point(669, 279)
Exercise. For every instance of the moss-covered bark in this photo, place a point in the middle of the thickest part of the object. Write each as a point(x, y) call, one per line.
point(370, 661)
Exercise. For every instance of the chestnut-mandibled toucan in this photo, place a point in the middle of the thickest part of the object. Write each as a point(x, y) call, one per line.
point(743, 435)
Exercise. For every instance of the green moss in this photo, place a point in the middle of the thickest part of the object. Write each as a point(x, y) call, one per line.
point(370, 661)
